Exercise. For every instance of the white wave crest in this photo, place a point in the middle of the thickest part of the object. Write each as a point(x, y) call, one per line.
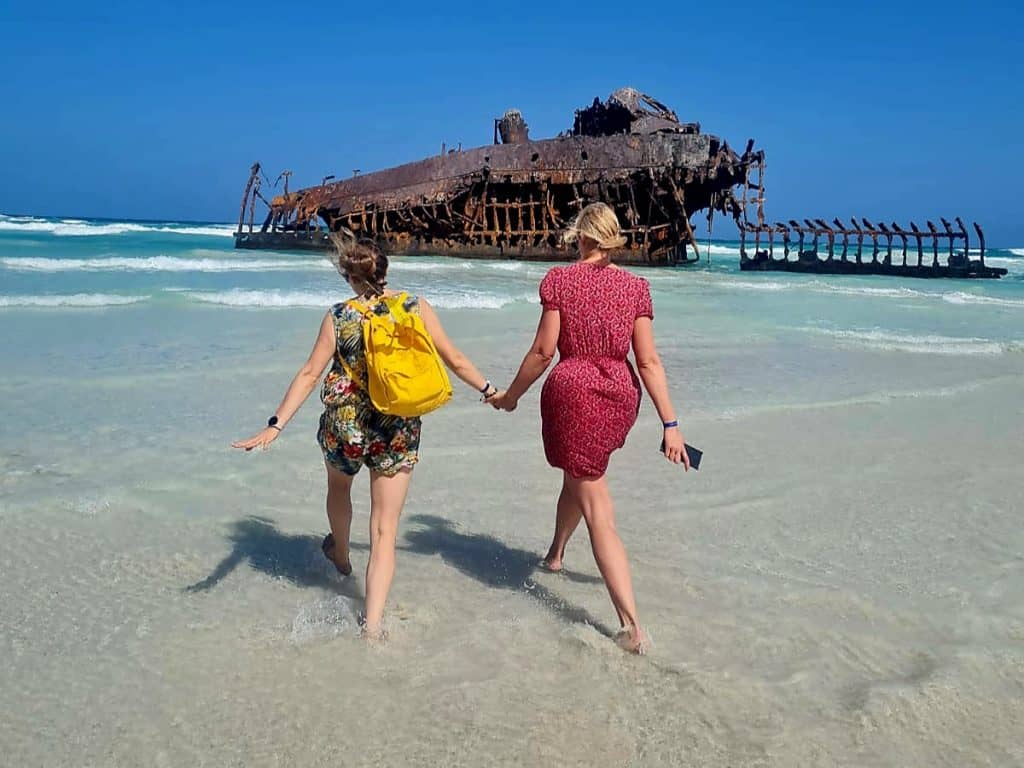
point(767, 285)
point(1016, 251)
point(863, 290)
point(720, 250)
point(71, 300)
point(81, 228)
point(158, 264)
point(960, 297)
point(277, 299)
point(927, 344)
point(480, 300)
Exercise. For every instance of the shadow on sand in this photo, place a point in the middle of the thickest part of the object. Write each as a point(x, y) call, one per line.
point(257, 542)
point(494, 564)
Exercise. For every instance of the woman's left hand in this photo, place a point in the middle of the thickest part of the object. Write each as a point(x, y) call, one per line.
point(675, 450)
point(261, 440)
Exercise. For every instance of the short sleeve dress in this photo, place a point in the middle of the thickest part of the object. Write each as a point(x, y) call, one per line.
point(591, 398)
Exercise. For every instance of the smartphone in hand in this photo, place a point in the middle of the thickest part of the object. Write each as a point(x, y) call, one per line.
point(693, 454)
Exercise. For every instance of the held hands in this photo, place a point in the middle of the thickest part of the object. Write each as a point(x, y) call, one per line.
point(262, 440)
point(674, 449)
point(500, 401)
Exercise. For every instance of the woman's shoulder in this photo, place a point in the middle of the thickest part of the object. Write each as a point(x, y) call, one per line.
point(410, 301)
point(633, 278)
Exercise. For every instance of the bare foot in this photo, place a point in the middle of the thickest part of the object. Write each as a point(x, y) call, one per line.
point(553, 560)
point(330, 550)
point(373, 635)
point(550, 565)
point(633, 640)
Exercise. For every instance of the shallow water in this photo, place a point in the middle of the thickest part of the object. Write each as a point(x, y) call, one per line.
point(840, 584)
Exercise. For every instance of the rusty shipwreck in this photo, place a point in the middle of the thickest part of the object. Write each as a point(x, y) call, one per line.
point(512, 199)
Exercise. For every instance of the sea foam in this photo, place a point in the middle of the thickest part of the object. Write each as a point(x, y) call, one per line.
point(159, 264)
point(70, 300)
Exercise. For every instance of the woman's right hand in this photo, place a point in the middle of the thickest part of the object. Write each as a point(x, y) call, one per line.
point(675, 447)
point(262, 440)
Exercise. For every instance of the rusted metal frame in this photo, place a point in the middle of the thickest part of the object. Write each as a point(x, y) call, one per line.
point(634, 214)
point(253, 173)
point(856, 230)
point(786, 239)
point(967, 239)
point(873, 233)
point(917, 234)
point(800, 233)
point(813, 227)
point(680, 198)
point(469, 175)
point(935, 243)
point(888, 243)
point(981, 240)
point(252, 204)
point(650, 210)
point(953, 236)
point(846, 238)
point(902, 235)
point(778, 229)
point(830, 234)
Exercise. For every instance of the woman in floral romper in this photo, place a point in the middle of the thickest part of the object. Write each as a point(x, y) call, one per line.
point(352, 433)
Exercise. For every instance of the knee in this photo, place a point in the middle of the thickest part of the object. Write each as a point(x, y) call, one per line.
point(384, 532)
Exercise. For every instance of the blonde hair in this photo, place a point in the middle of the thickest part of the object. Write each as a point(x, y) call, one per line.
point(598, 222)
point(361, 263)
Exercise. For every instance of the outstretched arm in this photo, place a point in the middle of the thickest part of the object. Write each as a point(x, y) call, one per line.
point(302, 385)
point(538, 358)
point(652, 373)
point(452, 356)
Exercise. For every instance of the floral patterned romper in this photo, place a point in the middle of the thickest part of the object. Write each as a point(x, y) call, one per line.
point(352, 433)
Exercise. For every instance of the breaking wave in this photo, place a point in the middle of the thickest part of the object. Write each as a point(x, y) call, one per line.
point(927, 344)
point(896, 292)
point(83, 228)
point(159, 264)
point(276, 299)
point(71, 300)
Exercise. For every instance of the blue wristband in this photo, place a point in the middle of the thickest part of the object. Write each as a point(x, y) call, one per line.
point(670, 424)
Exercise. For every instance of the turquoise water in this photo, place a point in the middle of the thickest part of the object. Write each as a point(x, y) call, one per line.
point(841, 584)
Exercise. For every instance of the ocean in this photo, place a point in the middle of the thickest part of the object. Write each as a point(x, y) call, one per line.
point(842, 583)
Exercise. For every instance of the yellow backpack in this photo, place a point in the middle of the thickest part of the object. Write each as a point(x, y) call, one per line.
point(405, 375)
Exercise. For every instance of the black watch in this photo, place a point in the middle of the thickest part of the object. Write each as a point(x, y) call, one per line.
point(272, 421)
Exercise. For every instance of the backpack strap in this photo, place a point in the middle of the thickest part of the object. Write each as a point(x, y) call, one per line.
point(359, 307)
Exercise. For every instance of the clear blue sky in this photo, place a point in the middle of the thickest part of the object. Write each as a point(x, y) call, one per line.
point(898, 109)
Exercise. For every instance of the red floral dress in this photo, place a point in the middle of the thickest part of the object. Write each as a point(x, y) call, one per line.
point(591, 398)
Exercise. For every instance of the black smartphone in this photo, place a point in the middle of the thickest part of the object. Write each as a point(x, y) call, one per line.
point(693, 454)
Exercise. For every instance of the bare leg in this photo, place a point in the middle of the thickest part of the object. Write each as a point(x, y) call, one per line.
point(387, 497)
point(596, 504)
point(339, 514)
point(567, 518)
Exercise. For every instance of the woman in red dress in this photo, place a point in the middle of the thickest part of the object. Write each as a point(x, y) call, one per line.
point(593, 311)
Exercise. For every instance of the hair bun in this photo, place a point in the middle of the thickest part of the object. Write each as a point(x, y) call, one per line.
point(360, 262)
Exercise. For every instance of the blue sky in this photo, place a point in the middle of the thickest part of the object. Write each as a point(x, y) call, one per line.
point(885, 110)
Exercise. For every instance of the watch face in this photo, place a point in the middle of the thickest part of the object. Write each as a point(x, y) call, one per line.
point(272, 421)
